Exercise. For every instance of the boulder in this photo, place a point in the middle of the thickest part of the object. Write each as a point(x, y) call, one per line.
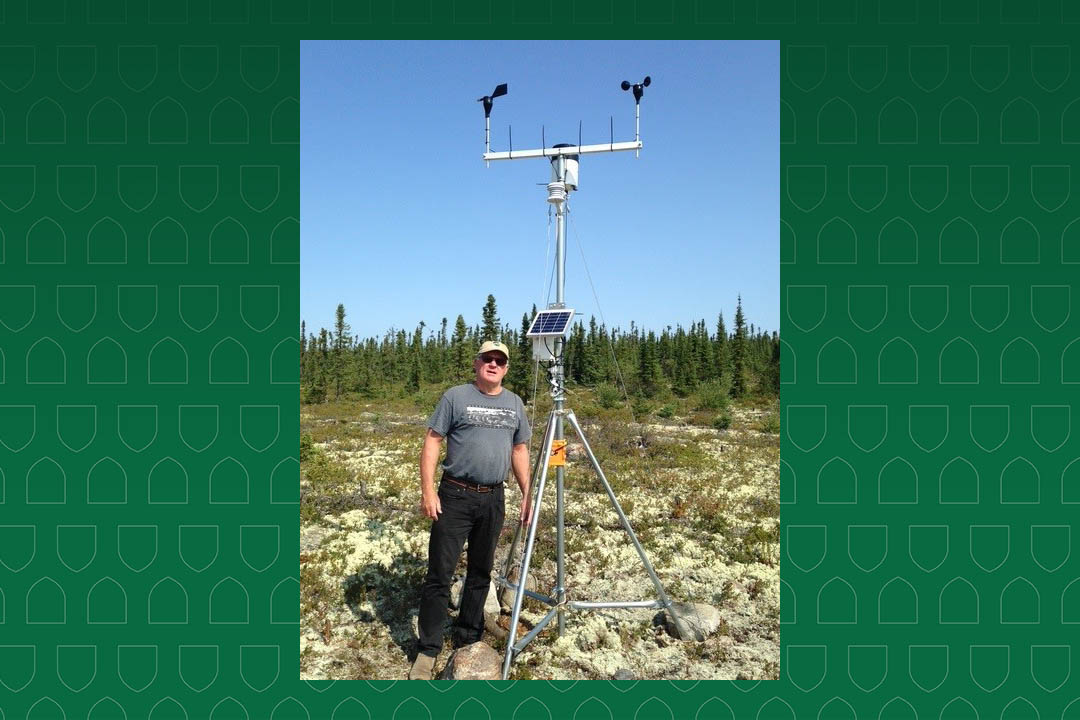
point(699, 619)
point(477, 661)
point(623, 674)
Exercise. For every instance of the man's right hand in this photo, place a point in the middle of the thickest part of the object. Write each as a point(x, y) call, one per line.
point(430, 505)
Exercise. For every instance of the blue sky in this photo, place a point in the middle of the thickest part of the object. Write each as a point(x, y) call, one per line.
point(402, 222)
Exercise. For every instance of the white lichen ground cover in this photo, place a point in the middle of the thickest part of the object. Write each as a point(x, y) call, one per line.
point(704, 503)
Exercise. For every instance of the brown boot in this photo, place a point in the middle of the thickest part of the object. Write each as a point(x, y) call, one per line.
point(423, 668)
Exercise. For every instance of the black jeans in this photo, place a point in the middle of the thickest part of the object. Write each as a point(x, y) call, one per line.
point(466, 515)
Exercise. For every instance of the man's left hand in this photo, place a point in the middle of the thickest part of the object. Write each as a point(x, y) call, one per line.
point(526, 511)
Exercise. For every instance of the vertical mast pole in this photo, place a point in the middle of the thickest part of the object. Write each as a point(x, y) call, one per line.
point(560, 346)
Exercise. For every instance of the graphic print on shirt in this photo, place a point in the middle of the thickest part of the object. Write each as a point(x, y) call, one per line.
point(492, 417)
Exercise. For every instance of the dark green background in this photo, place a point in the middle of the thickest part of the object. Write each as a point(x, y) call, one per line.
point(149, 282)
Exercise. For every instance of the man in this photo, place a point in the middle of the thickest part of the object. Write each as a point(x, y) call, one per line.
point(487, 435)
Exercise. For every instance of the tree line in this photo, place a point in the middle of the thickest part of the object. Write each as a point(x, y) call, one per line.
point(743, 362)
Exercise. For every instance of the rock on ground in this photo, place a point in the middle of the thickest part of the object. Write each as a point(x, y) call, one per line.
point(491, 602)
point(699, 619)
point(477, 661)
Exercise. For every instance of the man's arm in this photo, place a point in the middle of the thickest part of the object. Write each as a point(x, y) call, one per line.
point(519, 460)
point(429, 457)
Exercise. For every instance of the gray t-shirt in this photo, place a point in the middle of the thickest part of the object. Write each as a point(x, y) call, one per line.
point(480, 432)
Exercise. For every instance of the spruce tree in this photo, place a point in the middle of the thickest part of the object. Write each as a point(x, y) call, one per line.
point(740, 383)
point(720, 350)
point(490, 329)
point(648, 367)
point(460, 353)
point(521, 364)
point(342, 335)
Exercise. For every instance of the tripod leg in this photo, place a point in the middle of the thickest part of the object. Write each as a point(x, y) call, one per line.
point(626, 526)
point(517, 529)
point(523, 574)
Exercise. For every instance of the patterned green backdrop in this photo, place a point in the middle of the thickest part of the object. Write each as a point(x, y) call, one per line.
point(149, 250)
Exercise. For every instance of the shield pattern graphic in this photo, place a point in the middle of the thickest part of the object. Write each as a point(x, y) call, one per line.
point(259, 305)
point(989, 305)
point(18, 665)
point(260, 665)
point(806, 426)
point(76, 186)
point(928, 425)
point(199, 186)
point(1051, 665)
point(1051, 546)
point(137, 425)
point(1050, 305)
point(198, 546)
point(137, 185)
point(989, 185)
point(990, 665)
point(990, 425)
point(868, 545)
point(137, 665)
point(76, 425)
point(1051, 186)
point(137, 545)
point(806, 545)
point(928, 305)
point(990, 545)
point(76, 666)
point(1051, 425)
point(260, 425)
point(928, 545)
point(198, 425)
point(868, 665)
point(928, 185)
point(18, 306)
point(259, 66)
point(867, 65)
point(928, 666)
point(18, 426)
point(867, 306)
point(137, 305)
point(198, 306)
point(806, 305)
point(806, 186)
point(806, 665)
point(198, 666)
point(76, 545)
point(76, 305)
point(137, 65)
point(928, 66)
point(18, 546)
point(260, 185)
point(867, 425)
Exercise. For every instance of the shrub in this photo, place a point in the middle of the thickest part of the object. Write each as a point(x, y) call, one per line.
point(642, 407)
point(770, 424)
point(722, 421)
point(607, 395)
point(306, 446)
point(667, 412)
point(712, 396)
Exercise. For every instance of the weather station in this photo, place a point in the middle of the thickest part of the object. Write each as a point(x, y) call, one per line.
point(548, 333)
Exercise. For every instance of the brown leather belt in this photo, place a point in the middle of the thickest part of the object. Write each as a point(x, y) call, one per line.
point(475, 487)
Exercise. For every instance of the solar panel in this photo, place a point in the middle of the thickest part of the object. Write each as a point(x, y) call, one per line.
point(550, 323)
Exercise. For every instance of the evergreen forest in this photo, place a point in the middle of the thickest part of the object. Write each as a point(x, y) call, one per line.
point(706, 360)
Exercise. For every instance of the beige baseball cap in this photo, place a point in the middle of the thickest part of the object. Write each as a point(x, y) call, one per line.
point(494, 346)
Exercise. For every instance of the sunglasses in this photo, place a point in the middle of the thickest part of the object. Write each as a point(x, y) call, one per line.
point(498, 359)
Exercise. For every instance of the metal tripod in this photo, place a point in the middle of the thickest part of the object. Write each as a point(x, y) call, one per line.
point(558, 599)
point(557, 190)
